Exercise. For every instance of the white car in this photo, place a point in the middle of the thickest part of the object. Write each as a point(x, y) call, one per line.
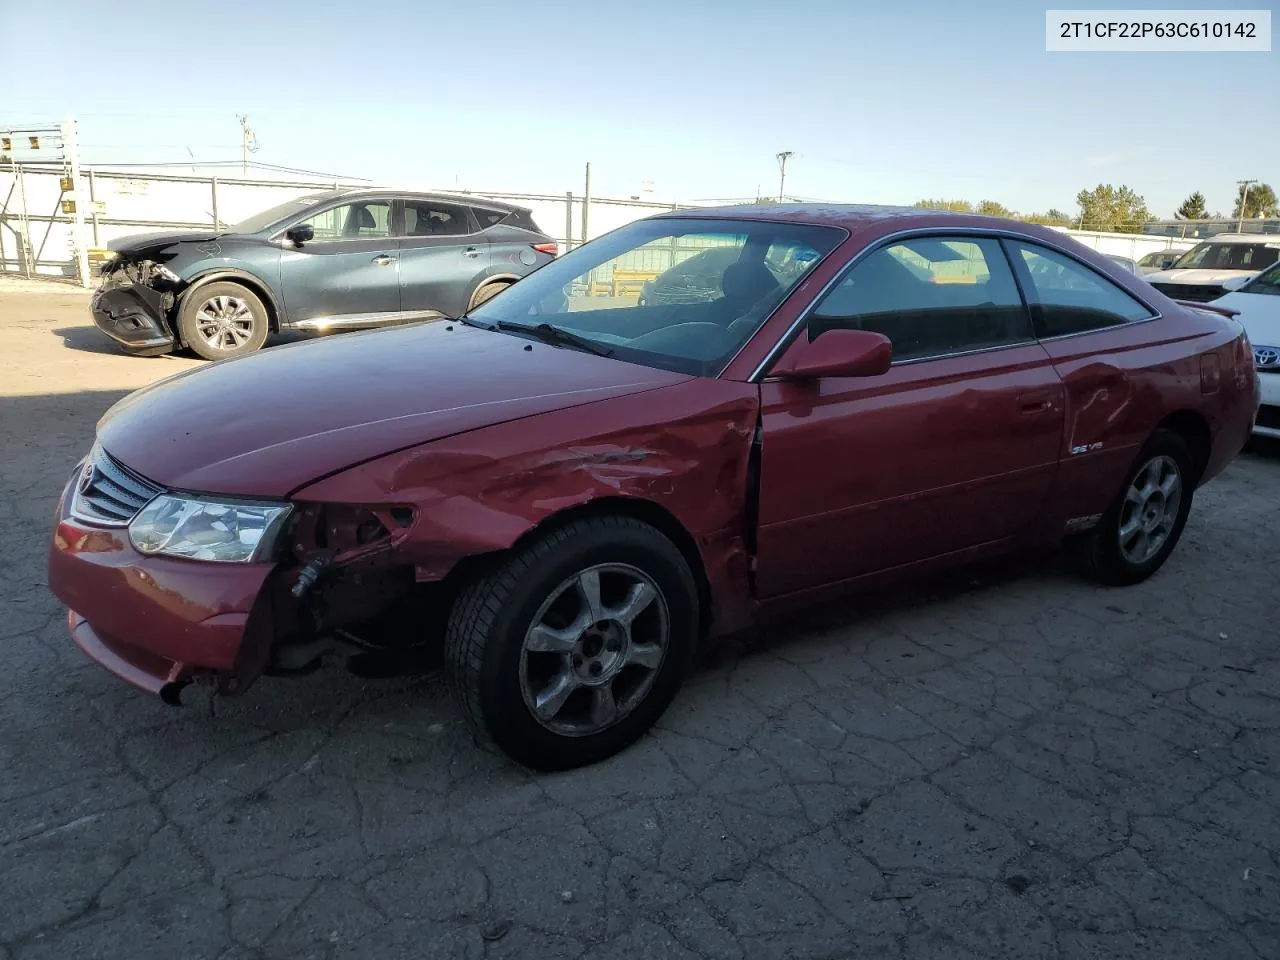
point(1124, 262)
point(1160, 260)
point(1258, 303)
point(1217, 266)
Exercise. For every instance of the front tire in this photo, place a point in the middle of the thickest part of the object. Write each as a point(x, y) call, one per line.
point(573, 646)
point(1139, 531)
point(223, 320)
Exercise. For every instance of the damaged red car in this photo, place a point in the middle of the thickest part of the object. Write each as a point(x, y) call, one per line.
point(571, 489)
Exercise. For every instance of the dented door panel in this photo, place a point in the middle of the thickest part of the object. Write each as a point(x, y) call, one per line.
point(1119, 383)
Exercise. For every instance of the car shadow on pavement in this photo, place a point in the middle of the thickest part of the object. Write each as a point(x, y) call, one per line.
point(90, 339)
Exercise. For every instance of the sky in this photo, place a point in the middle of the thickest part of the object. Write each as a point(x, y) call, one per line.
point(880, 103)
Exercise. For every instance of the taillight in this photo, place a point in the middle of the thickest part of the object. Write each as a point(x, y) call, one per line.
point(550, 248)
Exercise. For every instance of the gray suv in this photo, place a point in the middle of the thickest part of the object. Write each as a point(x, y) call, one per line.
point(340, 260)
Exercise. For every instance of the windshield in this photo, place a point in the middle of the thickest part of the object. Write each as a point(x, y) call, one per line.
point(1267, 282)
point(1228, 256)
point(280, 212)
point(629, 292)
point(1123, 261)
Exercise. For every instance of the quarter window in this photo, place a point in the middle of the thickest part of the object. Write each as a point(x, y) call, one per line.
point(365, 219)
point(931, 296)
point(1067, 297)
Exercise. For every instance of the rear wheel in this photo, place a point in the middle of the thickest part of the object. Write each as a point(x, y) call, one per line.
point(1139, 531)
point(223, 320)
point(486, 293)
point(572, 647)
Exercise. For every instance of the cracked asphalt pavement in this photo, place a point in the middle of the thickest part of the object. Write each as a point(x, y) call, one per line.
point(1005, 763)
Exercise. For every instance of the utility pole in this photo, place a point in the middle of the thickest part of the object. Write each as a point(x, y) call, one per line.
point(783, 157)
point(586, 203)
point(1244, 202)
point(248, 144)
point(77, 201)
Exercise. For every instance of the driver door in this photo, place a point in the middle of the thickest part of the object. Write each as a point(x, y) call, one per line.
point(955, 447)
point(348, 274)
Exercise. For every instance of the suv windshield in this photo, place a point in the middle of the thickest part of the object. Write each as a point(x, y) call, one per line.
point(1227, 256)
point(594, 292)
point(280, 212)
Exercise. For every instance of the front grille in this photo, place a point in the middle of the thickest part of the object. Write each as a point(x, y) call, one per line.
point(1268, 418)
point(1197, 292)
point(108, 493)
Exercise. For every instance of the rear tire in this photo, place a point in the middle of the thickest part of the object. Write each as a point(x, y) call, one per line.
point(1140, 529)
point(487, 293)
point(571, 647)
point(223, 320)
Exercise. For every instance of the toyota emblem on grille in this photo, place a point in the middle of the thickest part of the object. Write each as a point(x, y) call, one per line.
point(86, 478)
point(1266, 356)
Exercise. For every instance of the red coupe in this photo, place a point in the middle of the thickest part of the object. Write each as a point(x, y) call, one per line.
point(573, 489)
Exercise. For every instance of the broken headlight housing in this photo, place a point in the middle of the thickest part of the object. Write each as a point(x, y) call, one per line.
point(196, 528)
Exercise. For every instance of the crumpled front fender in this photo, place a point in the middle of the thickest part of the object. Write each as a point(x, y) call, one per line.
point(685, 449)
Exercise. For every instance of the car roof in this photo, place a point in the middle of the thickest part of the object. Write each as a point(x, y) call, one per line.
point(375, 192)
point(855, 217)
point(1269, 239)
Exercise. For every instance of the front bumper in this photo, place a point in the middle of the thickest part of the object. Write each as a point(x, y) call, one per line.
point(157, 621)
point(1268, 422)
point(134, 317)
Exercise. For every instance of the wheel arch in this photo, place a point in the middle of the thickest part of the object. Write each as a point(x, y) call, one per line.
point(1194, 429)
point(256, 285)
point(646, 511)
point(500, 279)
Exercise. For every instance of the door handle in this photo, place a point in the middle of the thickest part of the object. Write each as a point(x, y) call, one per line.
point(471, 252)
point(383, 259)
point(1035, 402)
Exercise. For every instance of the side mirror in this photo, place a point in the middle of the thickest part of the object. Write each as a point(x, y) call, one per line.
point(838, 353)
point(1235, 283)
point(300, 234)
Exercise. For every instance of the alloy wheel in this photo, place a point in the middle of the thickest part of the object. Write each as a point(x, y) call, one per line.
point(1150, 509)
point(225, 322)
point(594, 648)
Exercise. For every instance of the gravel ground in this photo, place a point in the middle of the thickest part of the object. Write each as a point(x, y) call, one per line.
point(1008, 763)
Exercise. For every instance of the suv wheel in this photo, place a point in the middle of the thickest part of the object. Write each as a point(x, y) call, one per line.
point(222, 320)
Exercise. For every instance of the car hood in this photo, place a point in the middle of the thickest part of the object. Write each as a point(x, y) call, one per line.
point(1196, 276)
point(137, 243)
point(267, 424)
point(1259, 315)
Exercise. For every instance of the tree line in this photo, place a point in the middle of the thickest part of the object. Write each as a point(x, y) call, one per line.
point(1119, 209)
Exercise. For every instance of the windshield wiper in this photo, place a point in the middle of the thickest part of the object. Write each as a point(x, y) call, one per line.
point(556, 336)
point(472, 322)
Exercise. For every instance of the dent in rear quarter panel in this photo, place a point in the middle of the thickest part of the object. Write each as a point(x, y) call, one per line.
point(684, 448)
point(1120, 384)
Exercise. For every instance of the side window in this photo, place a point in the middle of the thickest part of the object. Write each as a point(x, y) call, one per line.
point(931, 296)
point(1067, 297)
point(422, 219)
point(364, 219)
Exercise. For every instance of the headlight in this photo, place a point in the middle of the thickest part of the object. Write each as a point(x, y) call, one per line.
point(199, 529)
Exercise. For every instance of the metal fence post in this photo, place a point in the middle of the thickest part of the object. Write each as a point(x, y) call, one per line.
point(568, 220)
point(93, 201)
point(26, 224)
point(213, 191)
